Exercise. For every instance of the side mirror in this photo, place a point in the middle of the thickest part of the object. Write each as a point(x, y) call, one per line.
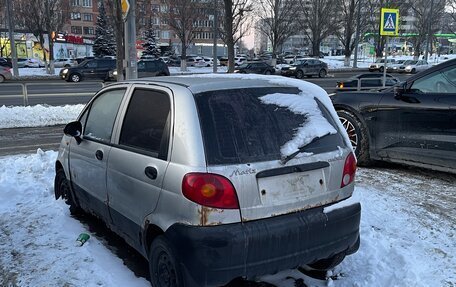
point(74, 129)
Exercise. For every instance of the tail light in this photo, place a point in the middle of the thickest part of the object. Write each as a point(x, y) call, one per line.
point(210, 190)
point(340, 85)
point(349, 170)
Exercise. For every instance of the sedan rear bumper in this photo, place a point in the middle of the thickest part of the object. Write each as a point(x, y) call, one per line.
point(215, 255)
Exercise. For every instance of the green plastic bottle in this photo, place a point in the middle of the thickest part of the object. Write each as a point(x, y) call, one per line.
point(82, 238)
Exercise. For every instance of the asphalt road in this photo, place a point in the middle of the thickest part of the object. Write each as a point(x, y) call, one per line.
point(59, 92)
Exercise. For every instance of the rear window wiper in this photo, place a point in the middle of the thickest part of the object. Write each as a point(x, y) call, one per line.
point(302, 149)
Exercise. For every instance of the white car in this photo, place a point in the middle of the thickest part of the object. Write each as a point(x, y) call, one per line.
point(29, 63)
point(379, 65)
point(289, 59)
point(414, 66)
point(64, 63)
point(194, 61)
point(239, 60)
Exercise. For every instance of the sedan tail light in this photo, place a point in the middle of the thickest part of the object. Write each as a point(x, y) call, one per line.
point(340, 85)
point(210, 190)
point(349, 170)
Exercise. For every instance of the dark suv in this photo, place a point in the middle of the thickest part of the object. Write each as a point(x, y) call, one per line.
point(90, 69)
point(147, 68)
point(306, 67)
point(5, 62)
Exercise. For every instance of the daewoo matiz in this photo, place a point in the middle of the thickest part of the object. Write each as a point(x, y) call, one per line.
point(215, 177)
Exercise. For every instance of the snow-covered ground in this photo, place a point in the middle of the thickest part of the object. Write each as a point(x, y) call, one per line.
point(408, 228)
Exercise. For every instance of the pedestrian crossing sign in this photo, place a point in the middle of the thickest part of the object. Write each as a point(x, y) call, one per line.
point(389, 22)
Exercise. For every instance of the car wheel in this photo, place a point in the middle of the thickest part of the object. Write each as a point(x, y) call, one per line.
point(299, 74)
point(413, 71)
point(357, 133)
point(381, 69)
point(2, 79)
point(322, 73)
point(163, 265)
point(75, 78)
point(267, 72)
point(62, 189)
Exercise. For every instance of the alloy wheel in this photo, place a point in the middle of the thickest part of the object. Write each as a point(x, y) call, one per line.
point(351, 131)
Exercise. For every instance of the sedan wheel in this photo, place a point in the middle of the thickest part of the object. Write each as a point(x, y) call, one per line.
point(2, 79)
point(358, 136)
point(75, 78)
point(163, 266)
point(267, 72)
point(322, 73)
point(299, 74)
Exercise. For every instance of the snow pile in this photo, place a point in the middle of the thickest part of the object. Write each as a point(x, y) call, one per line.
point(403, 243)
point(39, 115)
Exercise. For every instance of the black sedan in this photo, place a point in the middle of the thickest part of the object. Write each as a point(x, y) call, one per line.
point(255, 68)
point(413, 122)
point(366, 82)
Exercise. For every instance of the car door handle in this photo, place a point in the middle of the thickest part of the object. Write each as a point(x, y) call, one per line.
point(151, 172)
point(99, 155)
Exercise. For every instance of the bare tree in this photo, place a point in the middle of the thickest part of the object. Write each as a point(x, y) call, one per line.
point(451, 9)
point(235, 24)
point(319, 20)
point(278, 22)
point(348, 14)
point(427, 21)
point(182, 17)
point(114, 15)
point(43, 18)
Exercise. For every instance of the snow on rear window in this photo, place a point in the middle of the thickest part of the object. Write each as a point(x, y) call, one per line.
point(315, 126)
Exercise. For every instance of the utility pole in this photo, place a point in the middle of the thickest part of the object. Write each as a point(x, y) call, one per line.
point(130, 43)
point(358, 24)
point(429, 36)
point(214, 48)
point(11, 36)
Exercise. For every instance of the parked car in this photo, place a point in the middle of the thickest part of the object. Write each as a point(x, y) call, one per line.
point(208, 178)
point(192, 61)
point(89, 69)
point(29, 63)
point(255, 68)
point(6, 62)
point(207, 62)
point(238, 60)
point(80, 60)
point(366, 82)
point(414, 66)
point(223, 61)
point(5, 74)
point(394, 68)
point(379, 65)
point(64, 63)
point(146, 68)
point(411, 123)
point(306, 67)
point(289, 59)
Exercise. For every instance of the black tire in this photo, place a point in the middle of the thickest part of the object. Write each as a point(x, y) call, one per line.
point(62, 189)
point(163, 264)
point(2, 79)
point(322, 73)
point(267, 72)
point(413, 71)
point(328, 263)
point(75, 78)
point(381, 69)
point(299, 74)
point(358, 135)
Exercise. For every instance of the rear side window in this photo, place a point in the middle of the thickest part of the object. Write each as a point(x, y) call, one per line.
point(146, 123)
point(238, 127)
point(102, 114)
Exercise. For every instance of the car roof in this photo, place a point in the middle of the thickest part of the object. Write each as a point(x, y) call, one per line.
point(201, 83)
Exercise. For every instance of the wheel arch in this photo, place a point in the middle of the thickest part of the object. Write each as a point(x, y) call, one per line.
point(150, 232)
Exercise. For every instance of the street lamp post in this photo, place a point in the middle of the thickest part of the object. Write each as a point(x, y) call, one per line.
point(11, 36)
point(215, 36)
point(429, 36)
point(358, 24)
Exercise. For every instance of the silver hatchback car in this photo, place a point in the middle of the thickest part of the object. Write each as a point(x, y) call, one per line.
point(214, 177)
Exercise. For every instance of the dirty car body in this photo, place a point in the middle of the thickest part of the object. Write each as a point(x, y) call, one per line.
point(226, 175)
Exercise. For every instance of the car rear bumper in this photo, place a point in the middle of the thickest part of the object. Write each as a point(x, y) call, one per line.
point(288, 73)
point(215, 255)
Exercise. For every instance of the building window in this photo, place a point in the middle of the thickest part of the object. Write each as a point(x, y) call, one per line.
point(86, 3)
point(75, 3)
point(76, 30)
point(87, 17)
point(155, 21)
point(75, 16)
point(165, 34)
point(155, 8)
point(89, 31)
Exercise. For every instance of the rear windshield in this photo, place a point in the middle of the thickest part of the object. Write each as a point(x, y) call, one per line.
point(239, 127)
